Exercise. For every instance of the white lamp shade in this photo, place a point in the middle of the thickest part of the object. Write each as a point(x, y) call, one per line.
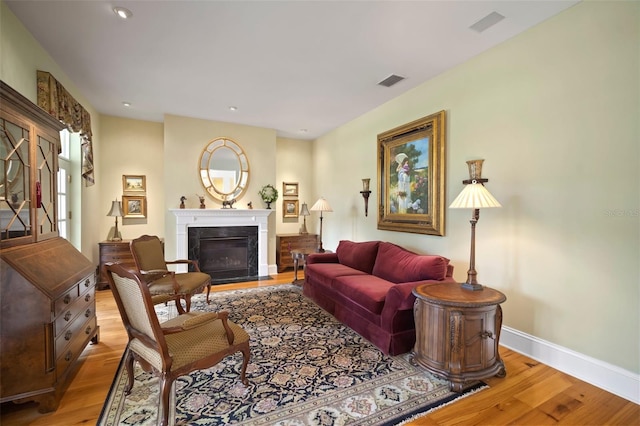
point(321, 206)
point(474, 196)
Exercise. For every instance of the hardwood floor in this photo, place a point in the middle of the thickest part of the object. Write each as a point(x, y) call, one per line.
point(531, 394)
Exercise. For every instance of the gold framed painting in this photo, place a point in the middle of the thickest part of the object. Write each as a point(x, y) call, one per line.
point(134, 206)
point(134, 184)
point(290, 189)
point(290, 208)
point(411, 176)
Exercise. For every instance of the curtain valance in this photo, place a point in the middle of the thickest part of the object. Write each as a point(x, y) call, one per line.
point(57, 101)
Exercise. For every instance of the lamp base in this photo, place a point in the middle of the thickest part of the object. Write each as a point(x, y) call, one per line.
point(115, 239)
point(472, 287)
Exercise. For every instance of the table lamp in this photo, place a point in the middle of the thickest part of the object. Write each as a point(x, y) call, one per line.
point(116, 211)
point(304, 212)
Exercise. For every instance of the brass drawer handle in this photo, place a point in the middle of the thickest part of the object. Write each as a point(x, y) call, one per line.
point(68, 335)
point(87, 283)
point(88, 330)
point(67, 316)
point(67, 357)
point(87, 313)
point(67, 299)
point(87, 298)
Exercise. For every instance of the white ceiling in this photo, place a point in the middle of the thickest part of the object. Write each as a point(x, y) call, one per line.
point(286, 65)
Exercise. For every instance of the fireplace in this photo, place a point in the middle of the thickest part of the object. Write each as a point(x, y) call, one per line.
point(232, 226)
point(228, 254)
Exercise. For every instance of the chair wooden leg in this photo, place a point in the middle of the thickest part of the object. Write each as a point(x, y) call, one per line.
point(187, 301)
point(208, 292)
point(165, 390)
point(128, 363)
point(179, 306)
point(246, 356)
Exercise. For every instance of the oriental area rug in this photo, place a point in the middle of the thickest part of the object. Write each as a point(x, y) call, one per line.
point(306, 368)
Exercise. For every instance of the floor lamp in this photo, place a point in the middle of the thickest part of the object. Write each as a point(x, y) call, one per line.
point(474, 196)
point(321, 206)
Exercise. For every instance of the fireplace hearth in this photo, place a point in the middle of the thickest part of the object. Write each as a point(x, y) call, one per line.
point(190, 220)
point(228, 254)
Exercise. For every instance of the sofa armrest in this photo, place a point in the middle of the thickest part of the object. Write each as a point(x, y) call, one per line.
point(449, 270)
point(322, 258)
point(400, 298)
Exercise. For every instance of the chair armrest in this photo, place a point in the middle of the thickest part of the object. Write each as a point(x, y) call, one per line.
point(184, 261)
point(200, 319)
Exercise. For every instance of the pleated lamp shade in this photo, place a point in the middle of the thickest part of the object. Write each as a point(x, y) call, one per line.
point(474, 196)
point(321, 206)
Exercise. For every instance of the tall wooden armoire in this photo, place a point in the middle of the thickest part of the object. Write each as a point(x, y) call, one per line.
point(47, 287)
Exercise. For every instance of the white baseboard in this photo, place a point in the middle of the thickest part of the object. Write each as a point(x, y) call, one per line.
point(273, 269)
point(606, 376)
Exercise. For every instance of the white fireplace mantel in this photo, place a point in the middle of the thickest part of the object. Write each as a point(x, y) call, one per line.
point(186, 218)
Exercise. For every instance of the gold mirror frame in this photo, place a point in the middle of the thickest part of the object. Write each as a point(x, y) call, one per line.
point(224, 169)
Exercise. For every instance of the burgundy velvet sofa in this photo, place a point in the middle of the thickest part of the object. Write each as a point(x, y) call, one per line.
point(368, 286)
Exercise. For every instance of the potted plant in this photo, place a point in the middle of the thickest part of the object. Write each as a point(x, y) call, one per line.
point(268, 194)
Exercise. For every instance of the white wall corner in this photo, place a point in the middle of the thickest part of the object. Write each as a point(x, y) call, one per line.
point(609, 377)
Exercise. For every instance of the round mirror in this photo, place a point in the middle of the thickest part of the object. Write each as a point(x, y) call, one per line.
point(224, 169)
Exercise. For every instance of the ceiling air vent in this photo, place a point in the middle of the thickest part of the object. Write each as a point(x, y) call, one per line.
point(488, 21)
point(391, 80)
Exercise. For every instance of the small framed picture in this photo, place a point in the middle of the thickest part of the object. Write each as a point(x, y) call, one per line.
point(134, 206)
point(290, 189)
point(134, 184)
point(289, 208)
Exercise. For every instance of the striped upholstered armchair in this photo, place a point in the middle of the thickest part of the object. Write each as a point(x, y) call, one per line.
point(188, 342)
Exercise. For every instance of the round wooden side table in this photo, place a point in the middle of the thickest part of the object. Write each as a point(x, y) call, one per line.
point(458, 332)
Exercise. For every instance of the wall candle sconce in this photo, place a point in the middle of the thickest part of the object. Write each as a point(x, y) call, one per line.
point(365, 194)
point(474, 196)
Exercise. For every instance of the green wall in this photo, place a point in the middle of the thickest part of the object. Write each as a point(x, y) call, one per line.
point(554, 112)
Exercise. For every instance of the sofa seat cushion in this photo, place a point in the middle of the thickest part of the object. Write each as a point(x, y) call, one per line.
point(360, 256)
point(325, 273)
point(399, 265)
point(367, 291)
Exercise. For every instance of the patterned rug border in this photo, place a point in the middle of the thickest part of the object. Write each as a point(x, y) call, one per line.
point(378, 419)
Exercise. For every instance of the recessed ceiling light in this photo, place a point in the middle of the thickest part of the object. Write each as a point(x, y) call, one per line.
point(122, 12)
point(126, 104)
point(303, 130)
point(233, 108)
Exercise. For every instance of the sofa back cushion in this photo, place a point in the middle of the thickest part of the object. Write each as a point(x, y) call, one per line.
point(360, 256)
point(399, 265)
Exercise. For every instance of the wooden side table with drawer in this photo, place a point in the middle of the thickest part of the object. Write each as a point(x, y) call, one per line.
point(286, 243)
point(114, 251)
point(458, 332)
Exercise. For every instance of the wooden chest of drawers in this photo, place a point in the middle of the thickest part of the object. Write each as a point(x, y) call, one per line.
point(48, 316)
point(113, 251)
point(285, 243)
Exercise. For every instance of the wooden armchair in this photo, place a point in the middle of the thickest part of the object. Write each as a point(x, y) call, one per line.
point(188, 342)
point(149, 258)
